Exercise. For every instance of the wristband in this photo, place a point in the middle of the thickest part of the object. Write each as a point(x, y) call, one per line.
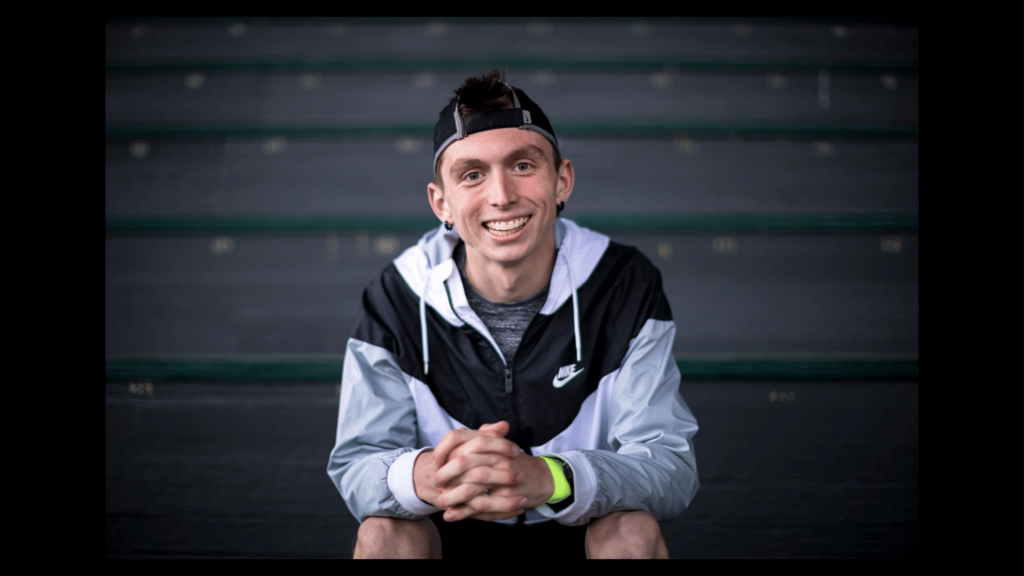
point(562, 488)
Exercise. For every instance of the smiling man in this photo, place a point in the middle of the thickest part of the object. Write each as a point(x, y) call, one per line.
point(511, 380)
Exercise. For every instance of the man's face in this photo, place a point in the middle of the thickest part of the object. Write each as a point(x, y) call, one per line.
point(501, 190)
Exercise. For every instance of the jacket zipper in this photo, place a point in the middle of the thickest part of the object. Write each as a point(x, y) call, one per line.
point(508, 369)
point(508, 390)
point(521, 519)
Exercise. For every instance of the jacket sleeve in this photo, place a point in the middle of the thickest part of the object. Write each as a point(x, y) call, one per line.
point(651, 465)
point(376, 443)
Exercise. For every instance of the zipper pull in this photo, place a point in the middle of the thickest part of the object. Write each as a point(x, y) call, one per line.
point(508, 380)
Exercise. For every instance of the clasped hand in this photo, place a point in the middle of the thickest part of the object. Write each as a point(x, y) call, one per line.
point(480, 474)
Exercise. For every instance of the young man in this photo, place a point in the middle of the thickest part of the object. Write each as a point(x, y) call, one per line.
point(512, 378)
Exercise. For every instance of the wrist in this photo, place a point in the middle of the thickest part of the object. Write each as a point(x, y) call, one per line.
point(560, 487)
point(547, 487)
point(556, 504)
point(423, 477)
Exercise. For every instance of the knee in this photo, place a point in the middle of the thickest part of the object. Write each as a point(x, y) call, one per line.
point(377, 532)
point(393, 538)
point(633, 534)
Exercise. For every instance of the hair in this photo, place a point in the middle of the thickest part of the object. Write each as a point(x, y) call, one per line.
point(485, 93)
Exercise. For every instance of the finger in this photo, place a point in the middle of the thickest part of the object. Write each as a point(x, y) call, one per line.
point(486, 504)
point(462, 464)
point(455, 438)
point(489, 503)
point(490, 476)
point(492, 516)
point(466, 511)
point(459, 495)
point(459, 513)
point(483, 443)
point(449, 442)
point(510, 491)
point(501, 428)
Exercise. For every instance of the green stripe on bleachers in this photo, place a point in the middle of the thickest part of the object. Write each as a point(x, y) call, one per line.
point(691, 369)
point(711, 223)
point(566, 129)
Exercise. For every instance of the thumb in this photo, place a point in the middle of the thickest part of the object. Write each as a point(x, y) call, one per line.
point(500, 428)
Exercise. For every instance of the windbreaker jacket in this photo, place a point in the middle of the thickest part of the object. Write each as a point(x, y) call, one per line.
point(594, 382)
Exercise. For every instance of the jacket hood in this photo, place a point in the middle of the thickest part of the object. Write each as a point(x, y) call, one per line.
point(431, 274)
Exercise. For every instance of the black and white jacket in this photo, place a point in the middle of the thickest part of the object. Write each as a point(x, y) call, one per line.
point(593, 382)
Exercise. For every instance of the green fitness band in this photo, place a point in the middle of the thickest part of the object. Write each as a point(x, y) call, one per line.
point(562, 488)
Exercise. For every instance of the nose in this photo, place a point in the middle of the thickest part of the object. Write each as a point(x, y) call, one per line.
point(503, 192)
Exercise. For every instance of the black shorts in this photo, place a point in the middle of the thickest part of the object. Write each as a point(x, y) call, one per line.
point(472, 539)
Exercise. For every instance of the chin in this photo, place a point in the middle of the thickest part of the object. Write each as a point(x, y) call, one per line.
point(505, 254)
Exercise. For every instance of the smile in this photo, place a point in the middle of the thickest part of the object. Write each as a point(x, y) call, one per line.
point(507, 227)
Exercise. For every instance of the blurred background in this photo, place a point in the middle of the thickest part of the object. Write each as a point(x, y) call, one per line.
point(261, 171)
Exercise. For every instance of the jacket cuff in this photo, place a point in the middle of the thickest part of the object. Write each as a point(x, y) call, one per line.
point(584, 489)
point(400, 483)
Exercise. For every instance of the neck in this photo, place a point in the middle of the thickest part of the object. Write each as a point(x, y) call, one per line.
point(504, 282)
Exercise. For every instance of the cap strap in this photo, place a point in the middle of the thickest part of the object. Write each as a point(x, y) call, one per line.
point(515, 98)
point(460, 130)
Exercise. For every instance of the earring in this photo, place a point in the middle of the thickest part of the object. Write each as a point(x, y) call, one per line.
point(448, 226)
point(561, 206)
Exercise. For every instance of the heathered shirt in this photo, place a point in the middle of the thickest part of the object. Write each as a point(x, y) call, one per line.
point(507, 321)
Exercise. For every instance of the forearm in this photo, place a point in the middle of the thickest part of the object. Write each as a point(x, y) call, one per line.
point(372, 459)
point(647, 460)
point(382, 483)
point(362, 481)
point(654, 480)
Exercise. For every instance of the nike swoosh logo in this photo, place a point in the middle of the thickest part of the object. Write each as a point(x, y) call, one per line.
point(559, 382)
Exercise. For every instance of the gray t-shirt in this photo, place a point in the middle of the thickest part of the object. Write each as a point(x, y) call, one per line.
point(507, 321)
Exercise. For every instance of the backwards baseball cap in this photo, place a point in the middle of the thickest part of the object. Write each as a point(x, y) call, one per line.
point(524, 114)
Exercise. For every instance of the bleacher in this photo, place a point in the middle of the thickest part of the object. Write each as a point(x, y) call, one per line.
point(260, 172)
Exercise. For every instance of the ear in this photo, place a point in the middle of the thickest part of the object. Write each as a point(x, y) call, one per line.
point(438, 204)
point(566, 180)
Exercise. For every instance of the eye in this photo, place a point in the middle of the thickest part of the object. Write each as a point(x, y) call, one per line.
point(473, 176)
point(523, 166)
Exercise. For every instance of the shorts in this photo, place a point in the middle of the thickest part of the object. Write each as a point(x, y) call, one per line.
point(472, 539)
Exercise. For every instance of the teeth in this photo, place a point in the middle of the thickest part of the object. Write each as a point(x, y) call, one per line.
point(507, 226)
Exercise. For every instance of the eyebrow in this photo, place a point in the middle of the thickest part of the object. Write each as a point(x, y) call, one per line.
point(462, 163)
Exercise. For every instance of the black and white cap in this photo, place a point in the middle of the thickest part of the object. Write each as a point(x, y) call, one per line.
point(525, 114)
